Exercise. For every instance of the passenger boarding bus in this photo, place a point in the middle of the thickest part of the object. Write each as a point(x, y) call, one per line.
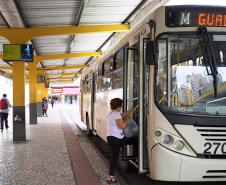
point(172, 64)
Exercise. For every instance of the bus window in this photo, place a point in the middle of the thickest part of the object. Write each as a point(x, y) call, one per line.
point(108, 65)
point(161, 90)
point(89, 85)
point(184, 83)
point(106, 83)
point(117, 76)
point(100, 70)
point(107, 77)
point(99, 82)
point(117, 79)
point(119, 58)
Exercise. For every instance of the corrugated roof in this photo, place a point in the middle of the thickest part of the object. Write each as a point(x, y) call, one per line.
point(89, 42)
point(2, 22)
point(71, 70)
point(50, 12)
point(55, 44)
point(107, 12)
point(2, 63)
point(54, 72)
point(66, 12)
point(54, 63)
point(75, 61)
point(3, 41)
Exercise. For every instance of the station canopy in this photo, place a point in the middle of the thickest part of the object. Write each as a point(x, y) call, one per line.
point(45, 13)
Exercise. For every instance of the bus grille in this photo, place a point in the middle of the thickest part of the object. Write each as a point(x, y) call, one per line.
point(215, 174)
point(212, 133)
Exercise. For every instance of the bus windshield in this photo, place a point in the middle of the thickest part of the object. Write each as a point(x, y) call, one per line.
point(184, 80)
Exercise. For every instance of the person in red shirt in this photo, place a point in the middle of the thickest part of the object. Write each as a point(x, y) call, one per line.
point(4, 111)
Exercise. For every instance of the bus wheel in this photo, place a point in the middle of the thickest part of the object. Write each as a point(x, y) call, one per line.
point(88, 131)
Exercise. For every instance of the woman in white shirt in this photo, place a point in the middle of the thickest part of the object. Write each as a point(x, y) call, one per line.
point(116, 122)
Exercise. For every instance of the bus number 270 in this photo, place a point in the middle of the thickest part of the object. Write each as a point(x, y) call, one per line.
point(215, 148)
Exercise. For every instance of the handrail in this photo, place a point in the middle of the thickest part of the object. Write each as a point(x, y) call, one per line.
point(212, 101)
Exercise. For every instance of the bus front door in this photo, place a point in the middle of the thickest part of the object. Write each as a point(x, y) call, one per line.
point(143, 107)
point(136, 95)
point(130, 94)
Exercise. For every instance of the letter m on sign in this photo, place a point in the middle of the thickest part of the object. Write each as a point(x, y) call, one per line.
point(185, 18)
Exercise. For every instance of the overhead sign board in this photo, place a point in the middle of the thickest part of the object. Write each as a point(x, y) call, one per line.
point(18, 52)
point(192, 16)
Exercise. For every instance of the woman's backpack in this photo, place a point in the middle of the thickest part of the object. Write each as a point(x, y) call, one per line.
point(3, 104)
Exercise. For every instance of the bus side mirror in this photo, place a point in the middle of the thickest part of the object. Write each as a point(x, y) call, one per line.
point(150, 53)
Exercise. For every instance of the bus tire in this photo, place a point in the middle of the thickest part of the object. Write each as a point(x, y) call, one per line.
point(88, 131)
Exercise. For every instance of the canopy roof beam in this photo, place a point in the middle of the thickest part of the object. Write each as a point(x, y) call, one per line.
point(57, 56)
point(28, 33)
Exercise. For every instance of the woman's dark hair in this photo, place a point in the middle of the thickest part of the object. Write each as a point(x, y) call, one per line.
point(115, 103)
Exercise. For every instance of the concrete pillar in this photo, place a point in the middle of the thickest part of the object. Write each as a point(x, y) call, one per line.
point(19, 130)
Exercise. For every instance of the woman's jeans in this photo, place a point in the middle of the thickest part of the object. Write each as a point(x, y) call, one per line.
point(115, 144)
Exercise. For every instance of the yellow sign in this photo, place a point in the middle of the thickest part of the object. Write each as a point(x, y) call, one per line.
point(11, 52)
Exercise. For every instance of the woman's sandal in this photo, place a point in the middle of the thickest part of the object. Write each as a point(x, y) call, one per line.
point(111, 180)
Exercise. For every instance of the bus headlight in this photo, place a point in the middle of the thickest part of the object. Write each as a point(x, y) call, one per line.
point(167, 139)
point(172, 142)
point(179, 145)
point(158, 133)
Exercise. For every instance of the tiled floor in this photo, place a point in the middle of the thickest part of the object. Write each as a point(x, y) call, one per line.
point(43, 159)
point(96, 159)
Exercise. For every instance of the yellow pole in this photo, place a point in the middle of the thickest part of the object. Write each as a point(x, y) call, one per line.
point(19, 130)
point(32, 92)
point(18, 84)
point(40, 88)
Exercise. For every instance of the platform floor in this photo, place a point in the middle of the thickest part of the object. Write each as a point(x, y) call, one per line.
point(55, 153)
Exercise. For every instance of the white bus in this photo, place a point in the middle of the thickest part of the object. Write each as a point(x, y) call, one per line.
point(172, 64)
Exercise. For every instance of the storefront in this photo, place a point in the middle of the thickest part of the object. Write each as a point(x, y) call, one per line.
point(65, 94)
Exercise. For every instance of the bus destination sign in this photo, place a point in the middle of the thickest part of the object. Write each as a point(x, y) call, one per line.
point(191, 16)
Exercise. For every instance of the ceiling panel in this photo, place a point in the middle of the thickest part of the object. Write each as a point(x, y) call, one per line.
point(2, 63)
point(3, 41)
point(7, 71)
point(102, 12)
point(53, 63)
point(71, 70)
point(53, 44)
point(50, 12)
point(89, 42)
point(107, 12)
point(76, 61)
point(2, 22)
point(54, 72)
point(39, 13)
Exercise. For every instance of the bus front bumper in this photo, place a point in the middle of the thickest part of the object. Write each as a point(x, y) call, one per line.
point(167, 165)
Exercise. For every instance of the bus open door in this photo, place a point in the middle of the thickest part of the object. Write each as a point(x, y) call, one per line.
point(136, 94)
